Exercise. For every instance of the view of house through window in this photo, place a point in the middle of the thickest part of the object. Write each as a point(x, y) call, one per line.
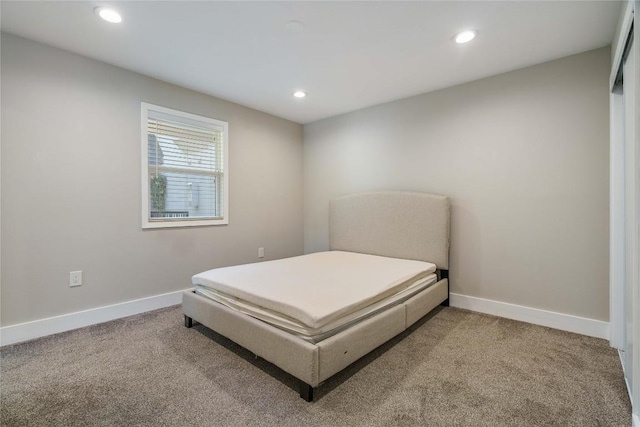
point(185, 169)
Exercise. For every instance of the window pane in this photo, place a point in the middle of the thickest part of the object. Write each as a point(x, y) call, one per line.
point(180, 195)
point(174, 149)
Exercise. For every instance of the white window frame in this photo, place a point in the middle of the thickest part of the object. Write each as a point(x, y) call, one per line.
point(148, 223)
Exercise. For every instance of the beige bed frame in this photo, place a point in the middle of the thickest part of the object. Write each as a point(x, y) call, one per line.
point(395, 224)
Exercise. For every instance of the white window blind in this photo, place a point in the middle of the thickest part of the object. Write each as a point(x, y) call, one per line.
point(184, 172)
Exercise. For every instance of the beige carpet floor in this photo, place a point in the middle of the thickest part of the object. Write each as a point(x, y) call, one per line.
point(455, 368)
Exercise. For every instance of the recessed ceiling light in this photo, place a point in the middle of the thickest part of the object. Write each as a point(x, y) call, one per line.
point(108, 15)
point(299, 94)
point(465, 36)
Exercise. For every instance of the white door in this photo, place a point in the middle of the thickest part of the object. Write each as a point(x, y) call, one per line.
point(631, 218)
point(632, 226)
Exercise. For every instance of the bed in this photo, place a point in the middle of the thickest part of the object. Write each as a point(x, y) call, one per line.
point(301, 313)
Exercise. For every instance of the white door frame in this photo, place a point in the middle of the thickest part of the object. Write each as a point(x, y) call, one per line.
point(617, 188)
point(617, 333)
point(635, 257)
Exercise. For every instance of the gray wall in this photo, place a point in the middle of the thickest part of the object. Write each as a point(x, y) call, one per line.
point(524, 157)
point(71, 186)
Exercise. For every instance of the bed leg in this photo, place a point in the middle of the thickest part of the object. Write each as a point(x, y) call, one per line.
point(306, 391)
point(444, 274)
point(188, 321)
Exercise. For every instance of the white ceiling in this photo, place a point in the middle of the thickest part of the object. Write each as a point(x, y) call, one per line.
point(349, 55)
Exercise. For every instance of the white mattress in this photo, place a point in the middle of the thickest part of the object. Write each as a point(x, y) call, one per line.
point(316, 293)
point(307, 333)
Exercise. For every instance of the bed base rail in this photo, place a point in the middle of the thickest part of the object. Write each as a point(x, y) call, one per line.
point(310, 363)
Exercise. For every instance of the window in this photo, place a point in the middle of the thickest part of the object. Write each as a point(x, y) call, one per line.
point(184, 169)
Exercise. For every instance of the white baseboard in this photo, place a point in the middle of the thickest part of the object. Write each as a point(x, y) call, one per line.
point(66, 322)
point(565, 322)
point(635, 420)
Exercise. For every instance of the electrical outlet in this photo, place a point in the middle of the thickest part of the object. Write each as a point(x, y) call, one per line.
point(260, 252)
point(75, 278)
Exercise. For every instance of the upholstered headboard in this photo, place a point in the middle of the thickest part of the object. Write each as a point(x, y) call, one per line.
point(395, 224)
